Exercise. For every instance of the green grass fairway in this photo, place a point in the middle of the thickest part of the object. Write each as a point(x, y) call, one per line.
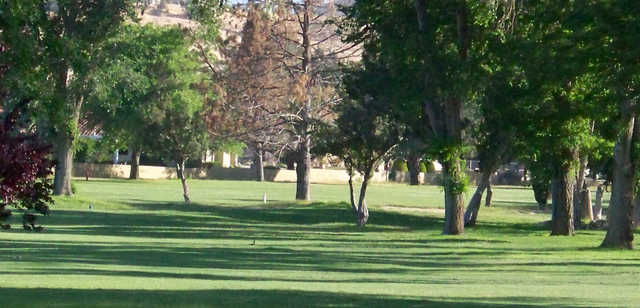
point(141, 247)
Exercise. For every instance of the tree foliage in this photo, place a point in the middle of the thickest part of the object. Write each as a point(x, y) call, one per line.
point(152, 92)
point(432, 50)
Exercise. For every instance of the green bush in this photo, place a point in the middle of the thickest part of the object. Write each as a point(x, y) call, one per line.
point(426, 166)
point(228, 146)
point(85, 149)
point(400, 165)
point(88, 150)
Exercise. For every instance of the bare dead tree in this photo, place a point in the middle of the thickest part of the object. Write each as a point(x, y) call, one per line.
point(310, 49)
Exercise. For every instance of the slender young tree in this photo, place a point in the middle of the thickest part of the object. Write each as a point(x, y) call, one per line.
point(152, 92)
point(178, 123)
point(363, 134)
point(496, 105)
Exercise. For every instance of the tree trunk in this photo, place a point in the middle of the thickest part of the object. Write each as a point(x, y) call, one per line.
point(413, 164)
point(64, 165)
point(65, 136)
point(471, 214)
point(588, 208)
point(291, 162)
point(541, 194)
point(636, 212)
point(562, 202)
point(453, 198)
point(352, 194)
point(619, 214)
point(363, 211)
point(445, 118)
point(580, 183)
point(303, 168)
point(577, 207)
point(597, 210)
point(259, 162)
point(181, 176)
point(303, 171)
point(135, 162)
point(581, 186)
point(487, 200)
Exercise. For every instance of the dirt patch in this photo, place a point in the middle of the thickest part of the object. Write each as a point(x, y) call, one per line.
point(437, 211)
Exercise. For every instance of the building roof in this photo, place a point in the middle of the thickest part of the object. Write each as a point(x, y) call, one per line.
point(87, 129)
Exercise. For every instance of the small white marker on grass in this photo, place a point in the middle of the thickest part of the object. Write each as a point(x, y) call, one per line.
point(264, 198)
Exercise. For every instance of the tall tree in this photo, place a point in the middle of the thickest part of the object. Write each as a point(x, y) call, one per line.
point(256, 87)
point(495, 106)
point(123, 88)
point(310, 51)
point(608, 28)
point(558, 105)
point(65, 37)
point(435, 59)
point(445, 112)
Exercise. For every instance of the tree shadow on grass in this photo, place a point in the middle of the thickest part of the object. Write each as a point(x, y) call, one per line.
point(255, 298)
point(228, 235)
point(511, 187)
point(317, 221)
point(346, 258)
point(362, 257)
point(219, 222)
point(286, 215)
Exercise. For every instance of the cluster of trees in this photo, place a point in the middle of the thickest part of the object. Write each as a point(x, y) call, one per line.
point(546, 83)
point(47, 49)
point(142, 85)
point(169, 90)
point(549, 84)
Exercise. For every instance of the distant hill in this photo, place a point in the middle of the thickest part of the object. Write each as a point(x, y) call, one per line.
point(176, 14)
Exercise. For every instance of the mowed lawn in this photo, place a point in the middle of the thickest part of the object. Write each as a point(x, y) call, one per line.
point(140, 246)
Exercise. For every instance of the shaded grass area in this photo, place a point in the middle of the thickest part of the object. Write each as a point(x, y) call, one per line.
point(253, 298)
point(140, 247)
